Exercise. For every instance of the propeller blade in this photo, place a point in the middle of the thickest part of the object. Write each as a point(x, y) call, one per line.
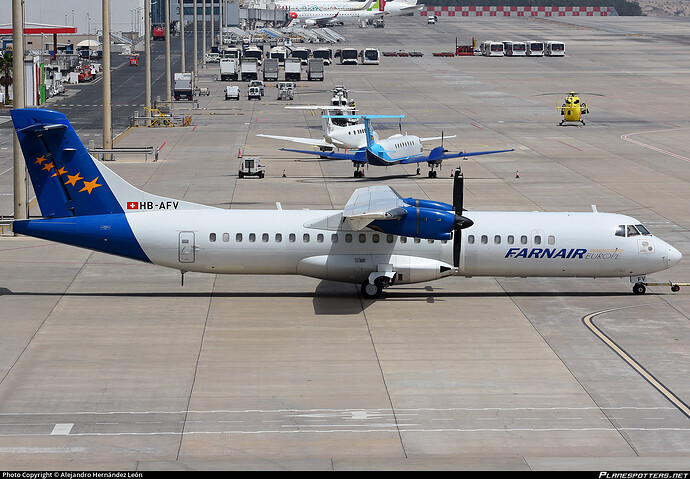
point(460, 221)
point(458, 186)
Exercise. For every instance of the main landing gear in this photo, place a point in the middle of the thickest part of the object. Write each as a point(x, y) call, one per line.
point(359, 171)
point(373, 287)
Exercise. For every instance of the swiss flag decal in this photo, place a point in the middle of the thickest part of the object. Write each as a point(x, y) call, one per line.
point(132, 205)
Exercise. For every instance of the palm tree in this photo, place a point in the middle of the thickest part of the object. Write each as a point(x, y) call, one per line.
point(6, 69)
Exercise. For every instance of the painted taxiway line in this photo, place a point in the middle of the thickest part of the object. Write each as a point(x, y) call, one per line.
point(588, 320)
point(626, 137)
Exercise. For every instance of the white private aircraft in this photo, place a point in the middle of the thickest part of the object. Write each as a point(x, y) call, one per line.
point(397, 149)
point(345, 136)
point(378, 240)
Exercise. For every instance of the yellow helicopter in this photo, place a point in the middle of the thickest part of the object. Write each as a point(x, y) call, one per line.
point(573, 108)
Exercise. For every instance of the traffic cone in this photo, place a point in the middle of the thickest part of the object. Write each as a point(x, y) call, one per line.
point(517, 174)
point(239, 153)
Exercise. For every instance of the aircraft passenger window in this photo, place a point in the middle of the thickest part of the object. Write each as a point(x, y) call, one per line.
point(226, 237)
point(252, 237)
point(470, 239)
point(375, 238)
point(403, 239)
point(537, 239)
point(511, 239)
point(643, 230)
point(497, 239)
point(389, 238)
point(212, 237)
point(334, 238)
point(431, 241)
point(319, 238)
point(264, 237)
point(238, 237)
point(552, 239)
point(632, 231)
point(444, 241)
point(305, 237)
point(291, 237)
point(348, 238)
point(523, 239)
point(362, 238)
point(279, 238)
point(620, 231)
point(417, 240)
point(485, 239)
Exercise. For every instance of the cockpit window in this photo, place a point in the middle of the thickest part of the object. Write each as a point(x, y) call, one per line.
point(642, 230)
point(620, 231)
point(632, 231)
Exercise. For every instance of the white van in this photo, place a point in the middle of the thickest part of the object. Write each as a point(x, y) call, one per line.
point(232, 92)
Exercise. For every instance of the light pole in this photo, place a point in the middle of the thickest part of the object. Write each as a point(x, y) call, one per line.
point(147, 59)
point(21, 208)
point(107, 113)
point(168, 82)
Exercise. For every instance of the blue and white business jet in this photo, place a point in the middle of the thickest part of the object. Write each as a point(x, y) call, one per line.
point(378, 240)
point(398, 149)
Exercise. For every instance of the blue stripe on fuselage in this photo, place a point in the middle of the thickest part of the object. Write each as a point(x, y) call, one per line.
point(107, 233)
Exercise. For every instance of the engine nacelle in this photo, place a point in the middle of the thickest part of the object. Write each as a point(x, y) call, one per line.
point(434, 205)
point(357, 268)
point(311, 23)
point(425, 223)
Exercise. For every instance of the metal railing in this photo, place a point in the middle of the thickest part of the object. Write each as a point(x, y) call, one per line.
point(149, 150)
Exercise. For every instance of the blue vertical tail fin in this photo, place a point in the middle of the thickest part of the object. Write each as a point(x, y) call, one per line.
point(66, 180)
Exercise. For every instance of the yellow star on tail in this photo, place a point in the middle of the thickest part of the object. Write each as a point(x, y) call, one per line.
point(40, 159)
point(72, 179)
point(90, 185)
point(60, 172)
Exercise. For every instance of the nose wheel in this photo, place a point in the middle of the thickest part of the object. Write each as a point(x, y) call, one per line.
point(639, 288)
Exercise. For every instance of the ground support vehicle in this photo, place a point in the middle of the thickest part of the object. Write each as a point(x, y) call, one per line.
point(254, 93)
point(249, 69)
point(293, 69)
point(271, 69)
point(251, 166)
point(315, 69)
point(232, 92)
point(229, 69)
point(183, 86)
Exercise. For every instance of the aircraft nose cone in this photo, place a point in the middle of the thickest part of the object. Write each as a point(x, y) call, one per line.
point(674, 256)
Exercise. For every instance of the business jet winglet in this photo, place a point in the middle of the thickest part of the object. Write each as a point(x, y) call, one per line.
point(378, 240)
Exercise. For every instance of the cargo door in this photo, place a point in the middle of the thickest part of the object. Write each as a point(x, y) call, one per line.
point(186, 247)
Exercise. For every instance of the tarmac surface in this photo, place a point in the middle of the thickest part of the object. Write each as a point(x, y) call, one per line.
point(110, 364)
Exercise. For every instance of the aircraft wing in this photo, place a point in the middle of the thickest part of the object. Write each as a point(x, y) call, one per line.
point(371, 204)
point(433, 138)
point(305, 141)
point(358, 156)
point(323, 20)
point(438, 154)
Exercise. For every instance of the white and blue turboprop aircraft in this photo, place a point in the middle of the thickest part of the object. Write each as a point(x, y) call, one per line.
point(378, 240)
point(398, 149)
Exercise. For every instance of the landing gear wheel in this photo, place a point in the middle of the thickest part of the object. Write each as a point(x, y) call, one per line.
point(639, 288)
point(675, 288)
point(371, 291)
